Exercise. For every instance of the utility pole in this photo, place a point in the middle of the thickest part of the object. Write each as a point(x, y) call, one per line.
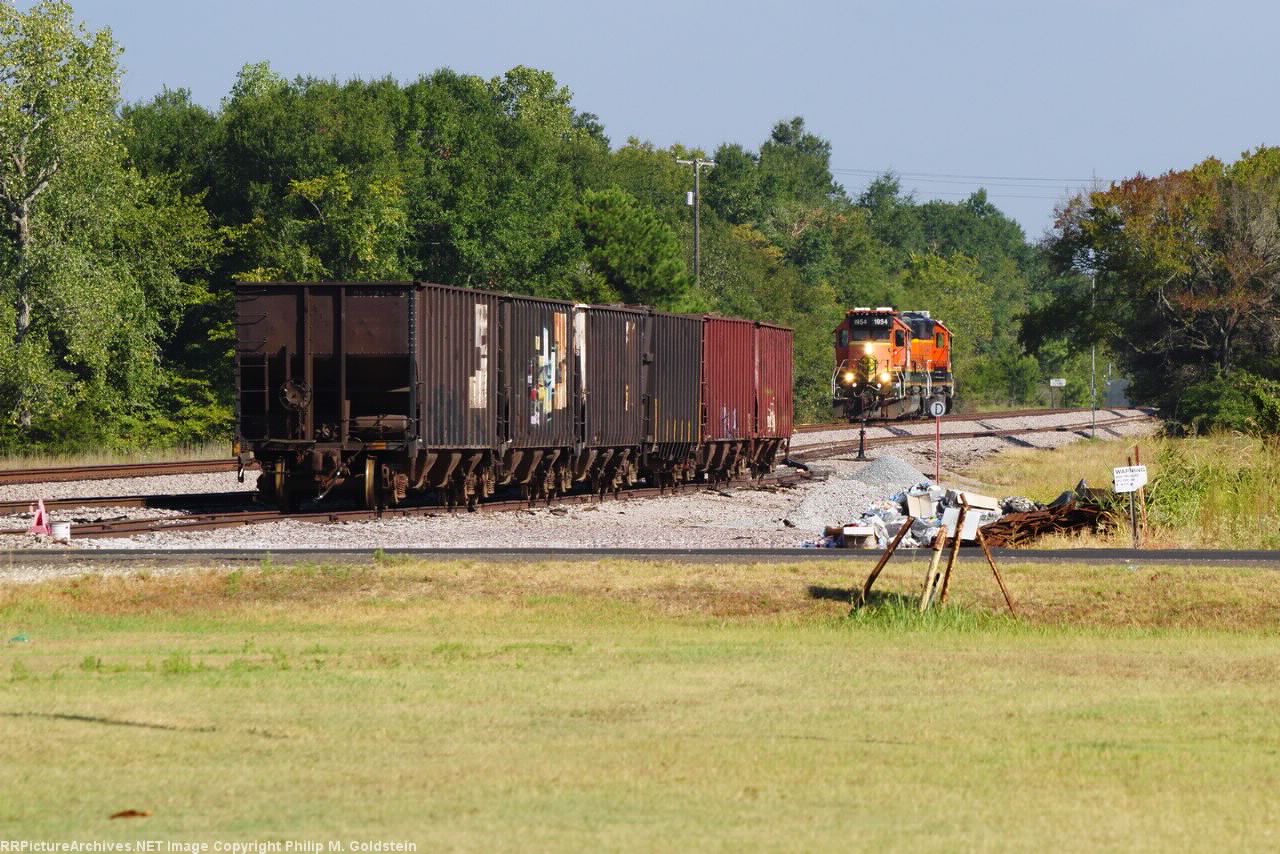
point(697, 165)
point(1093, 337)
point(1093, 364)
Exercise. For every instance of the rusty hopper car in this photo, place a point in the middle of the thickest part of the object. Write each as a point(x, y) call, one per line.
point(728, 394)
point(381, 390)
point(774, 363)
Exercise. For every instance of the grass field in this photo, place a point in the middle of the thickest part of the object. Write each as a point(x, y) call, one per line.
point(645, 706)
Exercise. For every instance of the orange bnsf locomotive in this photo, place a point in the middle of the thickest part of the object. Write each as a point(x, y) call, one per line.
point(891, 364)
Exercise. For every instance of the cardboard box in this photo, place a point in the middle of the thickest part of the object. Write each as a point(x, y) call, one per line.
point(859, 536)
point(921, 506)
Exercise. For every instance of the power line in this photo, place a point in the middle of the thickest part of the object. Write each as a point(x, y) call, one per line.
point(930, 175)
point(995, 195)
point(1012, 185)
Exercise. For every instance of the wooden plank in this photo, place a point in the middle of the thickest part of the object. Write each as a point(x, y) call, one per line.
point(884, 559)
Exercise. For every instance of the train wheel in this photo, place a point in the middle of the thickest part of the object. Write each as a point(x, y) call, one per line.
point(369, 497)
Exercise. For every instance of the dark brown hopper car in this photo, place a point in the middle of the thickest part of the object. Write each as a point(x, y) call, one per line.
point(537, 412)
point(673, 419)
point(348, 385)
point(609, 343)
point(457, 343)
point(325, 372)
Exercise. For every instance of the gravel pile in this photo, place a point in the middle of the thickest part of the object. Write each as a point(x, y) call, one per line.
point(889, 474)
point(838, 500)
point(848, 491)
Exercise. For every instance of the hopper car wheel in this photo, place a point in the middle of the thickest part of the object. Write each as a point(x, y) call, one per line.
point(369, 498)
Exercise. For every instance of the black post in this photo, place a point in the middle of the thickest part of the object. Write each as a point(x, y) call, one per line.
point(1133, 520)
point(862, 443)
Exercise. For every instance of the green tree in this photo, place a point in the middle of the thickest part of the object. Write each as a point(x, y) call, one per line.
point(58, 90)
point(953, 290)
point(310, 178)
point(795, 165)
point(733, 187)
point(172, 135)
point(96, 258)
point(637, 254)
point(1178, 276)
point(492, 196)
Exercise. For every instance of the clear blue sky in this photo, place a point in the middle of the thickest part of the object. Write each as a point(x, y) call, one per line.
point(937, 91)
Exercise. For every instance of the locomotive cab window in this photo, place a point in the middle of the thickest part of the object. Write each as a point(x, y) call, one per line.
point(869, 328)
point(844, 337)
point(899, 338)
point(939, 342)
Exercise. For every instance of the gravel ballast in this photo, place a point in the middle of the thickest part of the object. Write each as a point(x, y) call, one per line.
point(695, 519)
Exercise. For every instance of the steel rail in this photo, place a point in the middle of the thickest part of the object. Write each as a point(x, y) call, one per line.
point(120, 470)
point(954, 416)
point(165, 501)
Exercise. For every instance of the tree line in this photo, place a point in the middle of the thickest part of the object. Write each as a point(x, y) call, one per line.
point(127, 225)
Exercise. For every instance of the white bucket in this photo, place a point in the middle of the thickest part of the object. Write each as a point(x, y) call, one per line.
point(61, 532)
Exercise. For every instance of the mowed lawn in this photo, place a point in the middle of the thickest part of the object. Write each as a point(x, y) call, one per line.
point(646, 706)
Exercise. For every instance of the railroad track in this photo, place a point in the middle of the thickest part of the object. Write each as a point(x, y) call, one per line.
point(955, 416)
point(855, 561)
point(123, 470)
point(128, 470)
point(210, 521)
point(834, 449)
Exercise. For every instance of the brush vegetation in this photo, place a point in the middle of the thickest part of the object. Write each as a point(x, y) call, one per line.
point(644, 706)
point(1209, 491)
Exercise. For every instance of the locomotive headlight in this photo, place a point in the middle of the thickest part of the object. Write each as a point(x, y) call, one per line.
point(867, 348)
point(848, 376)
point(884, 376)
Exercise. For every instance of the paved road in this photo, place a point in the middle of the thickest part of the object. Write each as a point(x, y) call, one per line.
point(95, 558)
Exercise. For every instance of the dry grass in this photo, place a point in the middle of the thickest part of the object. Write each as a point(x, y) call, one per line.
point(1044, 474)
point(1067, 597)
point(1204, 492)
point(206, 451)
point(642, 706)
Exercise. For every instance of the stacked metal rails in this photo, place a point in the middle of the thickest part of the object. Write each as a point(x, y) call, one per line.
point(391, 388)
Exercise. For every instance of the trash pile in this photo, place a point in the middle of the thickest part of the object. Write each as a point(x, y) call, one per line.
point(931, 506)
point(1010, 521)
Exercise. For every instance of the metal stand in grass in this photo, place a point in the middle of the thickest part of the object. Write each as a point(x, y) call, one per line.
point(936, 583)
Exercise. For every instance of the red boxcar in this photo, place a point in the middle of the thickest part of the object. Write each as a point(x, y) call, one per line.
point(774, 361)
point(728, 378)
point(728, 395)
